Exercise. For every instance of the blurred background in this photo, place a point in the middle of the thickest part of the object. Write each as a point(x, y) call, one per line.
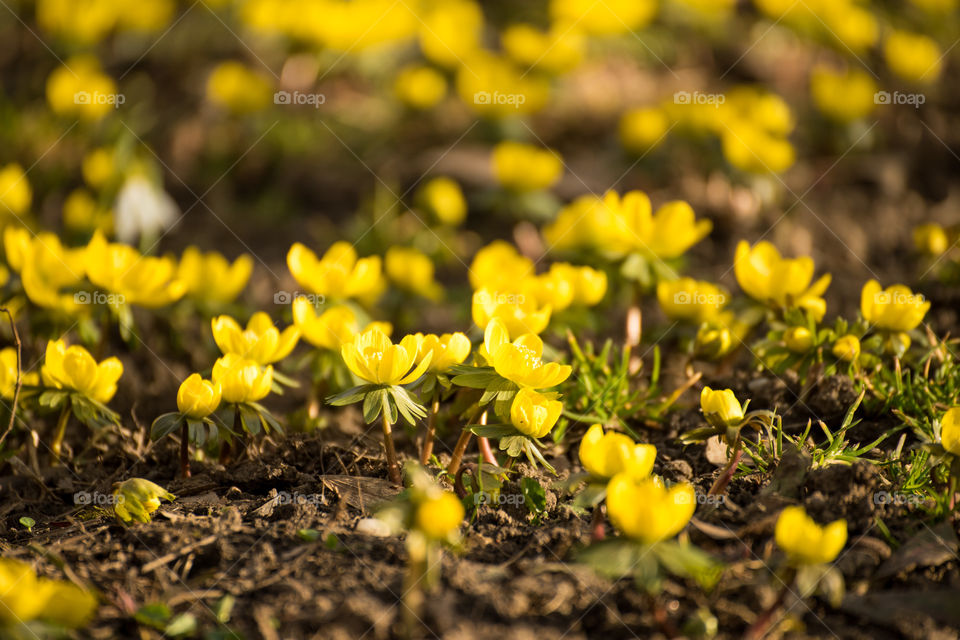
point(826, 126)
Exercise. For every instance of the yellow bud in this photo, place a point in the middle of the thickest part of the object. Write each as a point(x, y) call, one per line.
point(437, 517)
point(847, 348)
point(804, 541)
point(798, 339)
point(721, 408)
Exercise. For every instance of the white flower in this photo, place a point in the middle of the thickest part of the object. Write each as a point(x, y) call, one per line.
point(142, 209)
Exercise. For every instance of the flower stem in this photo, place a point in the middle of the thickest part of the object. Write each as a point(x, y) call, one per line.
point(427, 450)
point(185, 450)
point(598, 529)
point(484, 445)
point(393, 468)
point(761, 625)
point(61, 430)
point(720, 484)
point(461, 447)
point(634, 332)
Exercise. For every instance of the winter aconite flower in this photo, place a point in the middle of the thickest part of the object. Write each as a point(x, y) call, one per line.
point(589, 285)
point(847, 348)
point(913, 56)
point(605, 455)
point(518, 312)
point(524, 167)
point(806, 542)
point(26, 598)
point(950, 431)
point(444, 351)
point(843, 96)
point(533, 413)
point(197, 398)
point(438, 515)
point(628, 224)
point(499, 266)
point(931, 239)
point(74, 368)
point(721, 407)
point(120, 269)
point(420, 87)
point(210, 278)
point(692, 300)
point(136, 499)
point(235, 87)
point(242, 380)
point(15, 191)
point(373, 358)
point(520, 361)
point(643, 509)
point(332, 328)
point(895, 308)
point(340, 274)
point(80, 89)
point(768, 277)
point(798, 339)
point(8, 373)
point(412, 270)
point(643, 129)
point(444, 199)
point(260, 341)
point(49, 271)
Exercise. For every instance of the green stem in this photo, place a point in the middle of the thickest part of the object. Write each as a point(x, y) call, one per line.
point(61, 430)
point(185, 450)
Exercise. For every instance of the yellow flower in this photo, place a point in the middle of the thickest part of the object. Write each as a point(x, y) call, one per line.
point(210, 278)
point(83, 214)
point(843, 96)
point(80, 89)
point(339, 275)
point(895, 308)
point(99, 166)
point(604, 455)
point(242, 380)
point(197, 398)
point(443, 197)
point(804, 541)
point(443, 351)
point(519, 361)
point(136, 499)
point(626, 224)
point(519, 312)
point(412, 270)
point(847, 348)
point(692, 300)
point(494, 87)
point(721, 407)
point(768, 277)
point(47, 269)
point(798, 339)
point(146, 281)
point(643, 128)
point(552, 289)
point(260, 341)
point(25, 598)
point(235, 87)
point(610, 17)
point(420, 87)
point(438, 516)
point(754, 150)
point(151, 15)
point(931, 239)
point(534, 414)
point(15, 191)
point(524, 167)
point(556, 51)
point(451, 31)
point(950, 431)
point(913, 56)
point(331, 329)
point(74, 368)
point(499, 266)
point(643, 509)
point(80, 22)
point(373, 358)
point(8, 373)
point(589, 285)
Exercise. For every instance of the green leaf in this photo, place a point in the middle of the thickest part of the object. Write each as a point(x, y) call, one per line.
point(688, 561)
point(28, 522)
point(165, 425)
point(534, 495)
point(153, 615)
point(372, 405)
point(513, 445)
point(356, 394)
point(614, 558)
point(52, 399)
point(183, 625)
